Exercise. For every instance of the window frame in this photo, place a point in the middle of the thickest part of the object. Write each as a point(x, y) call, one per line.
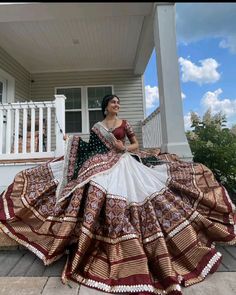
point(73, 110)
point(4, 89)
point(84, 105)
point(94, 109)
point(9, 86)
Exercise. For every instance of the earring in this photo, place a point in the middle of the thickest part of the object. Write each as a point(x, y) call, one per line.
point(105, 112)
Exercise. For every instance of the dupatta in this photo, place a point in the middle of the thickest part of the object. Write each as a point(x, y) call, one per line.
point(83, 160)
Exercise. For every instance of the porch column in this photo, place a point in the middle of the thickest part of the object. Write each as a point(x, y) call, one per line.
point(60, 124)
point(172, 122)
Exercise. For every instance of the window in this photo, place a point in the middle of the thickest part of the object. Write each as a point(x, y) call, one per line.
point(83, 106)
point(3, 93)
point(95, 96)
point(73, 109)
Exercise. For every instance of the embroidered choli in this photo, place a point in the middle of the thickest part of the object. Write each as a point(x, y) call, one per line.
point(125, 129)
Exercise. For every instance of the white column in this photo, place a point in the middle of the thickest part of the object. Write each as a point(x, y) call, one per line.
point(60, 124)
point(172, 122)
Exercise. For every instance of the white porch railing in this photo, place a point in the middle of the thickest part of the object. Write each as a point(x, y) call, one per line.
point(27, 129)
point(151, 130)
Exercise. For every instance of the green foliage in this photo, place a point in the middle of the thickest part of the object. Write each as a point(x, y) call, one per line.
point(214, 145)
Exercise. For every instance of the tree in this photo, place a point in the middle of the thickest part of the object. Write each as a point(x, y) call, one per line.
point(214, 145)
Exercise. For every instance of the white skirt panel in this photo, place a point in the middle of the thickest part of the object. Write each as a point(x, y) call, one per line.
point(132, 180)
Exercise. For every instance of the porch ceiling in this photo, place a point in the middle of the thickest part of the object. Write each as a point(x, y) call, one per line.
point(77, 36)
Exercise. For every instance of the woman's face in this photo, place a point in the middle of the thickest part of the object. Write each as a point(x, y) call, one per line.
point(113, 106)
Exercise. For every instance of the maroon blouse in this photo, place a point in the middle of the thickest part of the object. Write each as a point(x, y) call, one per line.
point(125, 129)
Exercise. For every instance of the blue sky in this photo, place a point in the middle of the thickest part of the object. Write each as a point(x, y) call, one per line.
point(206, 49)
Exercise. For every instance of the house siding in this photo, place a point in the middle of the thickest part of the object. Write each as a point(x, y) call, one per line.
point(19, 73)
point(125, 84)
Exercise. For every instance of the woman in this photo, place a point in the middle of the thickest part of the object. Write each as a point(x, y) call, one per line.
point(130, 221)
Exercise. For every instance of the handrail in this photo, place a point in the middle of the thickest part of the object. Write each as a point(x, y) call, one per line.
point(151, 130)
point(28, 131)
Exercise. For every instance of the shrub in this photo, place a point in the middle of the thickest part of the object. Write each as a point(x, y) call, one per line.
point(214, 145)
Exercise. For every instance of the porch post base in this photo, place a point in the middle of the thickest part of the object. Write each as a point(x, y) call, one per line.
point(181, 149)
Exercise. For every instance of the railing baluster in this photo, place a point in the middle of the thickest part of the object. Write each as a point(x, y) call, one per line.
point(40, 129)
point(159, 130)
point(8, 132)
point(24, 149)
point(151, 130)
point(48, 129)
point(16, 136)
point(32, 129)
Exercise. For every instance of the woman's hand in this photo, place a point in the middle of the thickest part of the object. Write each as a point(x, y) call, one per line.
point(65, 137)
point(118, 144)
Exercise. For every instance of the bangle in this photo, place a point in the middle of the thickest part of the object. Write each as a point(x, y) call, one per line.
point(125, 149)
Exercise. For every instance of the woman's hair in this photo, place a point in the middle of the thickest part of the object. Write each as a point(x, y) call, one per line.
point(105, 102)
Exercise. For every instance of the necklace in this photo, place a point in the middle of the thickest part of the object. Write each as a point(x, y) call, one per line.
point(113, 127)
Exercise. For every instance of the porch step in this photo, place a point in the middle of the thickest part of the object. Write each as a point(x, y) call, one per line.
point(24, 161)
point(9, 169)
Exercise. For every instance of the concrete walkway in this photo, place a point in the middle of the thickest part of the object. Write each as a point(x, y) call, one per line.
point(36, 286)
point(22, 273)
point(217, 284)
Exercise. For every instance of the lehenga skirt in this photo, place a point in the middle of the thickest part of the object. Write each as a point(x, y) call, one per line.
point(131, 229)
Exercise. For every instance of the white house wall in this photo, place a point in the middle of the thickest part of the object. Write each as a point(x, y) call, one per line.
point(18, 72)
point(125, 84)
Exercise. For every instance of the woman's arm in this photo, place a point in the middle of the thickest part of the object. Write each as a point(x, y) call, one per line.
point(127, 148)
point(134, 145)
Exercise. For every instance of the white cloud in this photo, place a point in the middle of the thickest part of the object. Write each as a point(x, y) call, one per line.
point(187, 121)
point(229, 42)
point(152, 96)
point(206, 73)
point(196, 21)
point(216, 104)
